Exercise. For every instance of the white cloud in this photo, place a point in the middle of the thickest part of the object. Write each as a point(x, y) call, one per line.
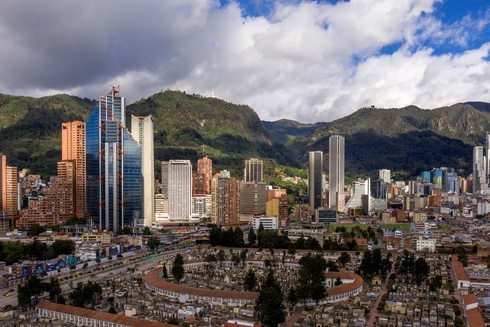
point(306, 61)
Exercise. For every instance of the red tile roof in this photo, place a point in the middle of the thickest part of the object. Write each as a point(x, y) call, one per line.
point(154, 279)
point(470, 299)
point(347, 287)
point(99, 315)
point(475, 318)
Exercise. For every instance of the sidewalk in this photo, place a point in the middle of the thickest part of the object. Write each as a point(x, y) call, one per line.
point(294, 317)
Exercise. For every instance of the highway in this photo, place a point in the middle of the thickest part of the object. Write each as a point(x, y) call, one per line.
point(143, 264)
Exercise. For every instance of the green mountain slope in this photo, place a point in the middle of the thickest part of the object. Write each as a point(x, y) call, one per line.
point(407, 140)
point(30, 129)
point(190, 126)
point(284, 130)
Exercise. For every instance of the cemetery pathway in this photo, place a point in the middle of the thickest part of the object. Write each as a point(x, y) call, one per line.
point(295, 316)
point(374, 310)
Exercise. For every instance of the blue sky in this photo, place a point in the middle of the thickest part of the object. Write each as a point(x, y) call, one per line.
point(304, 60)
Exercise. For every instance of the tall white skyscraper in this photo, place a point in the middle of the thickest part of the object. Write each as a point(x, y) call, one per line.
point(479, 169)
point(385, 175)
point(142, 132)
point(315, 179)
point(179, 189)
point(336, 165)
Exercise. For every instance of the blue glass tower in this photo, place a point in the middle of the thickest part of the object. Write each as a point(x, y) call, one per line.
point(114, 178)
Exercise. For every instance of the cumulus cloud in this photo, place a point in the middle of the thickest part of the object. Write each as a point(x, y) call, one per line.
point(303, 60)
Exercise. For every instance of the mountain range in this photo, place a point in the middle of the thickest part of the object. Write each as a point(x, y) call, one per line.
point(189, 126)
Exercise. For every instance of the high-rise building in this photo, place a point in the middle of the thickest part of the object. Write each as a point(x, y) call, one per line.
point(3, 182)
point(315, 179)
point(385, 174)
point(179, 189)
point(164, 182)
point(58, 205)
point(142, 131)
point(450, 180)
point(479, 170)
point(361, 196)
point(253, 170)
point(198, 184)
point(336, 167)
point(73, 148)
point(252, 199)
point(114, 177)
point(225, 199)
point(13, 193)
point(205, 167)
point(278, 207)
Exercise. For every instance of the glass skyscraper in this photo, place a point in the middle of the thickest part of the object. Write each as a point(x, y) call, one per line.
point(114, 177)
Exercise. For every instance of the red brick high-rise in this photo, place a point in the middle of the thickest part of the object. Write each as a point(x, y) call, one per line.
point(205, 167)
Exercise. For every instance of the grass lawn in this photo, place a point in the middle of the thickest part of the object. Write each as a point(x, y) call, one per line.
point(402, 227)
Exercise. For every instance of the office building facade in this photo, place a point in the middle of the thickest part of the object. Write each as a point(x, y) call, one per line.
point(336, 157)
point(179, 190)
point(114, 176)
point(225, 199)
point(73, 148)
point(142, 132)
point(205, 167)
point(253, 171)
point(315, 179)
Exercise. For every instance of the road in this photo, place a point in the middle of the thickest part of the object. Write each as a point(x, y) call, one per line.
point(141, 264)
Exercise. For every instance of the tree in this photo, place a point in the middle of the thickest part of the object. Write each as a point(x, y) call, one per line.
point(238, 237)
point(344, 258)
point(165, 271)
point(270, 303)
point(126, 230)
point(13, 252)
point(243, 256)
point(178, 268)
point(338, 282)
point(54, 289)
point(61, 299)
point(292, 297)
point(112, 310)
point(215, 235)
point(250, 281)
point(317, 292)
point(259, 234)
point(179, 259)
point(312, 243)
point(146, 230)
point(24, 296)
point(153, 242)
point(63, 247)
point(252, 238)
point(291, 249)
point(421, 270)
point(36, 287)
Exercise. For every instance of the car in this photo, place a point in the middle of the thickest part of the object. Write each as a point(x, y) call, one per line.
point(8, 294)
point(11, 290)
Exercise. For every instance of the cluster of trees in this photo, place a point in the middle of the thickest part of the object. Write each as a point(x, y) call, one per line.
point(13, 252)
point(29, 292)
point(85, 294)
point(311, 278)
point(221, 256)
point(412, 269)
point(374, 264)
point(273, 240)
point(229, 237)
point(178, 267)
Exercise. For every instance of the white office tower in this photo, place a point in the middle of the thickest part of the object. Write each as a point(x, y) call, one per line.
point(385, 175)
point(179, 190)
point(361, 196)
point(479, 170)
point(335, 168)
point(142, 132)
